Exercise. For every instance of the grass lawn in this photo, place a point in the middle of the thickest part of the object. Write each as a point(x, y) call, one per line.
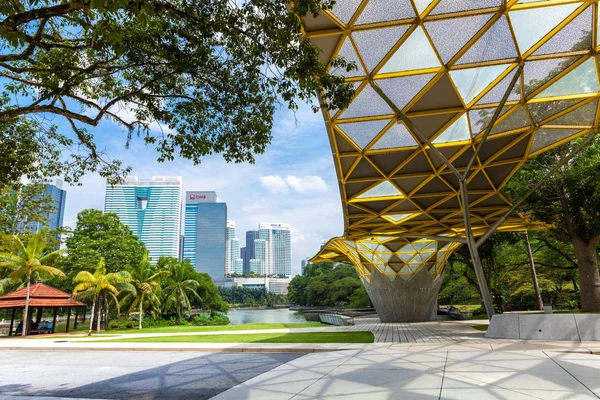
point(482, 328)
point(215, 328)
point(309, 337)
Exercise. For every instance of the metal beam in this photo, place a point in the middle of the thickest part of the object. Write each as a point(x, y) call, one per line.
point(438, 238)
point(483, 287)
point(535, 187)
point(493, 121)
point(416, 130)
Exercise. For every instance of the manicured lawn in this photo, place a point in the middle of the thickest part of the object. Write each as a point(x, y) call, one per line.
point(316, 337)
point(482, 328)
point(215, 328)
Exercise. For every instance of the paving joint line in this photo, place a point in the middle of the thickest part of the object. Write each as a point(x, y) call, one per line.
point(443, 375)
point(573, 376)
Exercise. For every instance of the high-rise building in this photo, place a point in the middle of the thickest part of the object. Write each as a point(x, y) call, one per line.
point(233, 263)
point(152, 209)
point(278, 248)
point(260, 265)
point(205, 233)
point(251, 236)
point(243, 257)
point(303, 264)
point(54, 220)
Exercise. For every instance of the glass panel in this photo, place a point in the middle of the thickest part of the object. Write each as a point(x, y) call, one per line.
point(480, 119)
point(345, 9)
point(385, 10)
point(406, 270)
point(403, 89)
point(450, 6)
point(536, 73)
point(407, 249)
point(496, 44)
point(471, 82)
point(397, 217)
point(369, 245)
point(405, 257)
point(582, 116)
point(576, 36)
point(385, 256)
point(362, 133)
point(350, 243)
point(366, 254)
point(530, 25)
point(384, 189)
point(374, 44)
point(414, 53)
point(582, 79)
point(397, 136)
point(457, 132)
point(367, 103)
point(349, 54)
point(518, 119)
point(541, 111)
point(547, 137)
point(450, 35)
point(497, 92)
point(420, 258)
point(422, 5)
point(420, 245)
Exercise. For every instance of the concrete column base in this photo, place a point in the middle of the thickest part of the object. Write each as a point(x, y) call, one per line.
point(404, 301)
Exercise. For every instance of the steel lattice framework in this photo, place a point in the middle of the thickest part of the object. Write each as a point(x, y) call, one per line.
point(451, 96)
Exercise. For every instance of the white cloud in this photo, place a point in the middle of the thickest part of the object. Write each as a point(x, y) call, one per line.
point(307, 184)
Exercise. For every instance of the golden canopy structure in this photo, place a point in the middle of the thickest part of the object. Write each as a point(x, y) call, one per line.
point(452, 97)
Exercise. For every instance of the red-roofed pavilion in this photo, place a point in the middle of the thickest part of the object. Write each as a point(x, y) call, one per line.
point(40, 296)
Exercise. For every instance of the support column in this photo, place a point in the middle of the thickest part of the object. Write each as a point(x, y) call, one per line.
point(12, 322)
point(68, 319)
point(76, 318)
point(54, 319)
point(403, 301)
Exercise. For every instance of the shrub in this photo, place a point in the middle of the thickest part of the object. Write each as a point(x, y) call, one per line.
point(130, 325)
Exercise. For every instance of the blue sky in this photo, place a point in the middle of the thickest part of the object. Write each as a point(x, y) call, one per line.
point(293, 182)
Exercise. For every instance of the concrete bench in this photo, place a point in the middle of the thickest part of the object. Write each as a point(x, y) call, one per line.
point(335, 319)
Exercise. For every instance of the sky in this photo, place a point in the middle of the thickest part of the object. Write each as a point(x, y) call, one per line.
point(293, 182)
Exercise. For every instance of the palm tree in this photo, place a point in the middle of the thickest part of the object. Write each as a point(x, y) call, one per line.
point(99, 285)
point(27, 260)
point(142, 289)
point(180, 287)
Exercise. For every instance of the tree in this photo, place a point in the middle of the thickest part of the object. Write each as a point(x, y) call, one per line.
point(189, 77)
point(180, 288)
point(144, 283)
point(570, 201)
point(26, 260)
point(99, 285)
point(21, 205)
point(97, 236)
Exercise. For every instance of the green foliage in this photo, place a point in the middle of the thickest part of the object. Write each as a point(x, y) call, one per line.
point(328, 285)
point(250, 297)
point(206, 74)
point(98, 235)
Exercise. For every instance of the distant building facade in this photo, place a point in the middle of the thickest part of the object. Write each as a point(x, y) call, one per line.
point(278, 241)
point(271, 285)
point(205, 233)
point(251, 236)
point(152, 209)
point(53, 188)
point(233, 263)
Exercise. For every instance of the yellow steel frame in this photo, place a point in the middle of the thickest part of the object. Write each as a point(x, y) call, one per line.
point(427, 195)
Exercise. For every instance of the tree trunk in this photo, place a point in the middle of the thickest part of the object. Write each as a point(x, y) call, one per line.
point(25, 329)
point(99, 313)
point(92, 316)
point(140, 316)
point(589, 276)
point(536, 286)
point(106, 311)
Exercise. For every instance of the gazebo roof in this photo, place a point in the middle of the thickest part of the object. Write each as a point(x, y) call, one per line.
point(40, 295)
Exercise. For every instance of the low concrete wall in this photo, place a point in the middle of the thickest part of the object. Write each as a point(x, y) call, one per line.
point(334, 319)
point(575, 327)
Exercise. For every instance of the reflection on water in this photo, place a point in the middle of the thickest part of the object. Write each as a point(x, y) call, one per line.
point(281, 316)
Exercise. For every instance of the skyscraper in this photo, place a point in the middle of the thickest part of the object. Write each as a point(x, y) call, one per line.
point(251, 236)
point(233, 263)
point(243, 257)
point(152, 209)
point(205, 233)
point(52, 189)
point(260, 265)
point(278, 245)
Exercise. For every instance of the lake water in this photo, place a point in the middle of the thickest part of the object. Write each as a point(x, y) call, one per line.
point(270, 316)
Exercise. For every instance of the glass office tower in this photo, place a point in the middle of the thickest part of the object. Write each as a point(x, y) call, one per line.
point(152, 209)
point(278, 248)
point(52, 189)
point(233, 263)
point(204, 242)
point(251, 236)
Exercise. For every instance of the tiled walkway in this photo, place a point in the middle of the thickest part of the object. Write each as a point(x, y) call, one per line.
point(420, 332)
